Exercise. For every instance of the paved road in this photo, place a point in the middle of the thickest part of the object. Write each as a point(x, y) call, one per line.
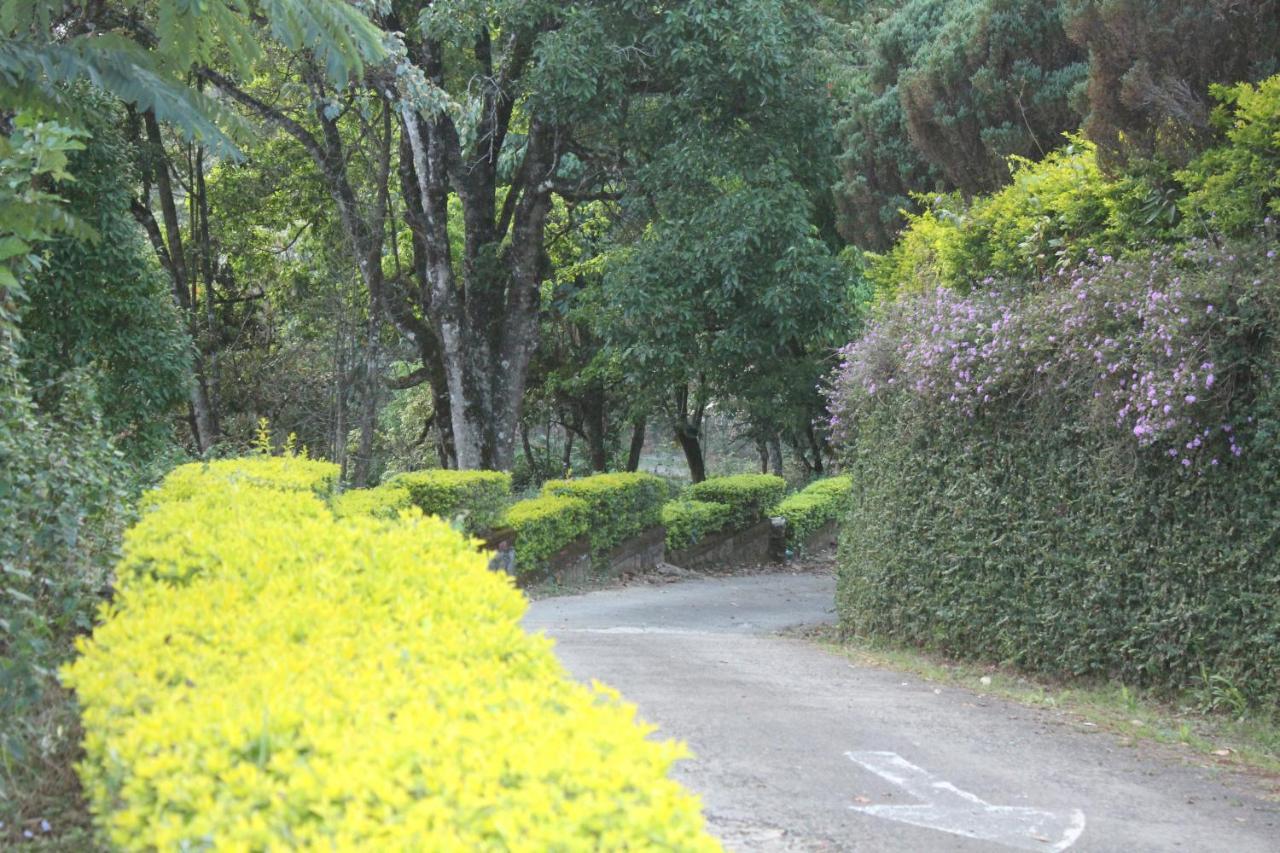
point(797, 749)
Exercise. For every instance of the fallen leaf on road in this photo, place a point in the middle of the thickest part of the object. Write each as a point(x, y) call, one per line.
point(862, 800)
point(1222, 752)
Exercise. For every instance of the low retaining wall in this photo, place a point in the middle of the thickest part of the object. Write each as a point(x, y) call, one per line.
point(573, 563)
point(825, 536)
point(762, 542)
point(734, 547)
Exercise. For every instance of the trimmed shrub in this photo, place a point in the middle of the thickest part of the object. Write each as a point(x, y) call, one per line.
point(688, 521)
point(380, 502)
point(748, 496)
point(1077, 477)
point(807, 511)
point(286, 473)
point(479, 496)
point(298, 682)
point(543, 526)
point(840, 486)
point(620, 505)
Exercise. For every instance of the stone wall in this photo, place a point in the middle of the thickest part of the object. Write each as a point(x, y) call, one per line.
point(745, 547)
point(824, 537)
point(573, 563)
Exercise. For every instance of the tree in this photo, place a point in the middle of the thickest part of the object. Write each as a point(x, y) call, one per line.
point(101, 305)
point(722, 283)
point(1151, 66)
point(947, 93)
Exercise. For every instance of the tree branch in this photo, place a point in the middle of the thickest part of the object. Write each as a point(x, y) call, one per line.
point(265, 111)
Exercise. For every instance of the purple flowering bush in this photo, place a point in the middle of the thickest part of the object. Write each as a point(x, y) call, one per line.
point(1078, 474)
point(1158, 351)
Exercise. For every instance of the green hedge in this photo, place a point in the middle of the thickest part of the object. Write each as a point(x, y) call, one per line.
point(688, 521)
point(1012, 504)
point(619, 505)
point(807, 511)
point(268, 678)
point(748, 496)
point(479, 496)
point(386, 501)
point(543, 526)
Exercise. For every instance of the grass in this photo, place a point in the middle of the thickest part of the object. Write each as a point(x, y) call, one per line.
point(41, 805)
point(1209, 726)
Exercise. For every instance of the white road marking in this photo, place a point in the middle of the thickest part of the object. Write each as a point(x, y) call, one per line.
point(948, 809)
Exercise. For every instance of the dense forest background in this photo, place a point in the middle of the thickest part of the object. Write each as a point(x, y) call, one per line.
point(545, 237)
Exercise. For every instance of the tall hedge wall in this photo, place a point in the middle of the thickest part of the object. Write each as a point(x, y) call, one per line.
point(1077, 476)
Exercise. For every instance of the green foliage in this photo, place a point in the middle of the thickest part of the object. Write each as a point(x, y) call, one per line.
point(807, 511)
point(47, 45)
point(839, 487)
point(620, 505)
point(479, 497)
point(995, 80)
point(104, 305)
point(1151, 66)
point(1055, 212)
point(64, 497)
point(543, 526)
point(384, 501)
point(359, 685)
point(689, 521)
point(952, 89)
point(1052, 214)
point(748, 496)
point(33, 153)
point(1234, 186)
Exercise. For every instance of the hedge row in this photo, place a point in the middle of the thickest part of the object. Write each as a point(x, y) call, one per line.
point(385, 501)
point(821, 502)
point(543, 526)
point(301, 681)
point(279, 473)
point(479, 497)
point(688, 521)
point(619, 506)
point(748, 496)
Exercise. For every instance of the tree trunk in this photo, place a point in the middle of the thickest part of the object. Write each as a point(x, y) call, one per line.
point(775, 455)
point(763, 452)
point(687, 425)
point(369, 393)
point(172, 254)
point(817, 446)
point(528, 448)
point(487, 323)
point(594, 431)
point(637, 444)
point(566, 464)
point(692, 447)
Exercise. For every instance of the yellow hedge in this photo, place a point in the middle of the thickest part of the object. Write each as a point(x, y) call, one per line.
point(273, 677)
point(380, 502)
point(280, 473)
